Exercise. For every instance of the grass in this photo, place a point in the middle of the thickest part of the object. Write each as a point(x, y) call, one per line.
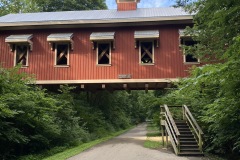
point(152, 131)
point(76, 150)
point(152, 127)
point(152, 144)
point(154, 134)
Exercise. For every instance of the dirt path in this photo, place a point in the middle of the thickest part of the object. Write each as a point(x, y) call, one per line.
point(128, 146)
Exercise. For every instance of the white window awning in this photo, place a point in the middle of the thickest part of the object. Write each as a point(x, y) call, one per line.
point(150, 34)
point(60, 37)
point(98, 36)
point(24, 38)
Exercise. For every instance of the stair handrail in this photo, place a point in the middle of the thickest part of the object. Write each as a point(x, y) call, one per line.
point(198, 131)
point(171, 120)
point(172, 129)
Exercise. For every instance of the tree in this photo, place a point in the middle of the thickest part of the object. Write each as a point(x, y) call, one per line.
point(218, 24)
point(71, 5)
point(26, 6)
point(213, 90)
point(18, 6)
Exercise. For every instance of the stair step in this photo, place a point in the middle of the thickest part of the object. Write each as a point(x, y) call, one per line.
point(187, 139)
point(179, 120)
point(186, 136)
point(188, 142)
point(184, 129)
point(181, 123)
point(189, 150)
point(181, 126)
point(188, 146)
point(191, 154)
point(185, 132)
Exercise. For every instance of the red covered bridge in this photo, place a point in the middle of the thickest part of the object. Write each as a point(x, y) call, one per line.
point(128, 48)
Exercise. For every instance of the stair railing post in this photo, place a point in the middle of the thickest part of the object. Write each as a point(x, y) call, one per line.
point(200, 141)
point(166, 139)
point(178, 145)
point(162, 123)
point(183, 112)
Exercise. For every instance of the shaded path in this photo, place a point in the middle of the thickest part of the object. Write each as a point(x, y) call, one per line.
point(128, 146)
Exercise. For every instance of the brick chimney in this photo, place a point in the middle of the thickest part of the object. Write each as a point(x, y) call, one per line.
point(127, 5)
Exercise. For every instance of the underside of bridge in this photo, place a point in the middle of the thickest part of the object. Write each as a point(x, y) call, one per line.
point(111, 86)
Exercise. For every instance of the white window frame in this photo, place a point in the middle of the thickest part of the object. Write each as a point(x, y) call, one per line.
point(185, 56)
point(15, 55)
point(110, 53)
point(55, 55)
point(140, 48)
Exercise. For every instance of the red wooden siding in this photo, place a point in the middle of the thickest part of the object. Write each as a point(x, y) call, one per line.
point(124, 59)
point(126, 6)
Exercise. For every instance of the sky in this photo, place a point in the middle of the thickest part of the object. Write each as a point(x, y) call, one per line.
point(144, 3)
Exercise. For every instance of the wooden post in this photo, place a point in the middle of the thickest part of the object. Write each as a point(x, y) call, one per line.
point(82, 86)
point(161, 121)
point(146, 87)
point(103, 86)
point(166, 139)
point(125, 86)
point(183, 112)
point(40, 86)
point(200, 141)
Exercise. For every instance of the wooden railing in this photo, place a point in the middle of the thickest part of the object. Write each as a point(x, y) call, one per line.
point(194, 125)
point(171, 128)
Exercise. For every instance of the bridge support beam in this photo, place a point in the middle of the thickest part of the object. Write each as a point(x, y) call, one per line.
point(82, 86)
point(125, 86)
point(146, 87)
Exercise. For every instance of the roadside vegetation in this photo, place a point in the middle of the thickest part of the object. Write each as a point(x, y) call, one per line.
point(212, 91)
point(153, 136)
point(34, 120)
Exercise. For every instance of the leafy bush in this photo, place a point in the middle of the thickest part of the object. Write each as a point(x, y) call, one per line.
point(33, 120)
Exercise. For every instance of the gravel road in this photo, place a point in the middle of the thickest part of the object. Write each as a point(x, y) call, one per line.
point(128, 146)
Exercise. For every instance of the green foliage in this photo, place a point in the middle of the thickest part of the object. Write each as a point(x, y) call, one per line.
point(18, 6)
point(71, 5)
point(213, 90)
point(153, 144)
point(34, 120)
point(25, 111)
point(25, 6)
point(217, 24)
point(213, 94)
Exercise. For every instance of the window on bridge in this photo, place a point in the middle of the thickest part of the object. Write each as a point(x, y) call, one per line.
point(146, 41)
point(20, 45)
point(103, 42)
point(185, 39)
point(62, 54)
point(61, 44)
point(146, 50)
point(104, 53)
point(21, 54)
point(189, 58)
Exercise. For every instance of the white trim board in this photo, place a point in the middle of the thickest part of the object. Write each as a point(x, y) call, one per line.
point(100, 81)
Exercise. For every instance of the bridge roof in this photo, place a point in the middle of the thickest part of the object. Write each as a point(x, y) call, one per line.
point(94, 16)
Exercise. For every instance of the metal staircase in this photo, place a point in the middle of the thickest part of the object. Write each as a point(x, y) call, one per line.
point(185, 134)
